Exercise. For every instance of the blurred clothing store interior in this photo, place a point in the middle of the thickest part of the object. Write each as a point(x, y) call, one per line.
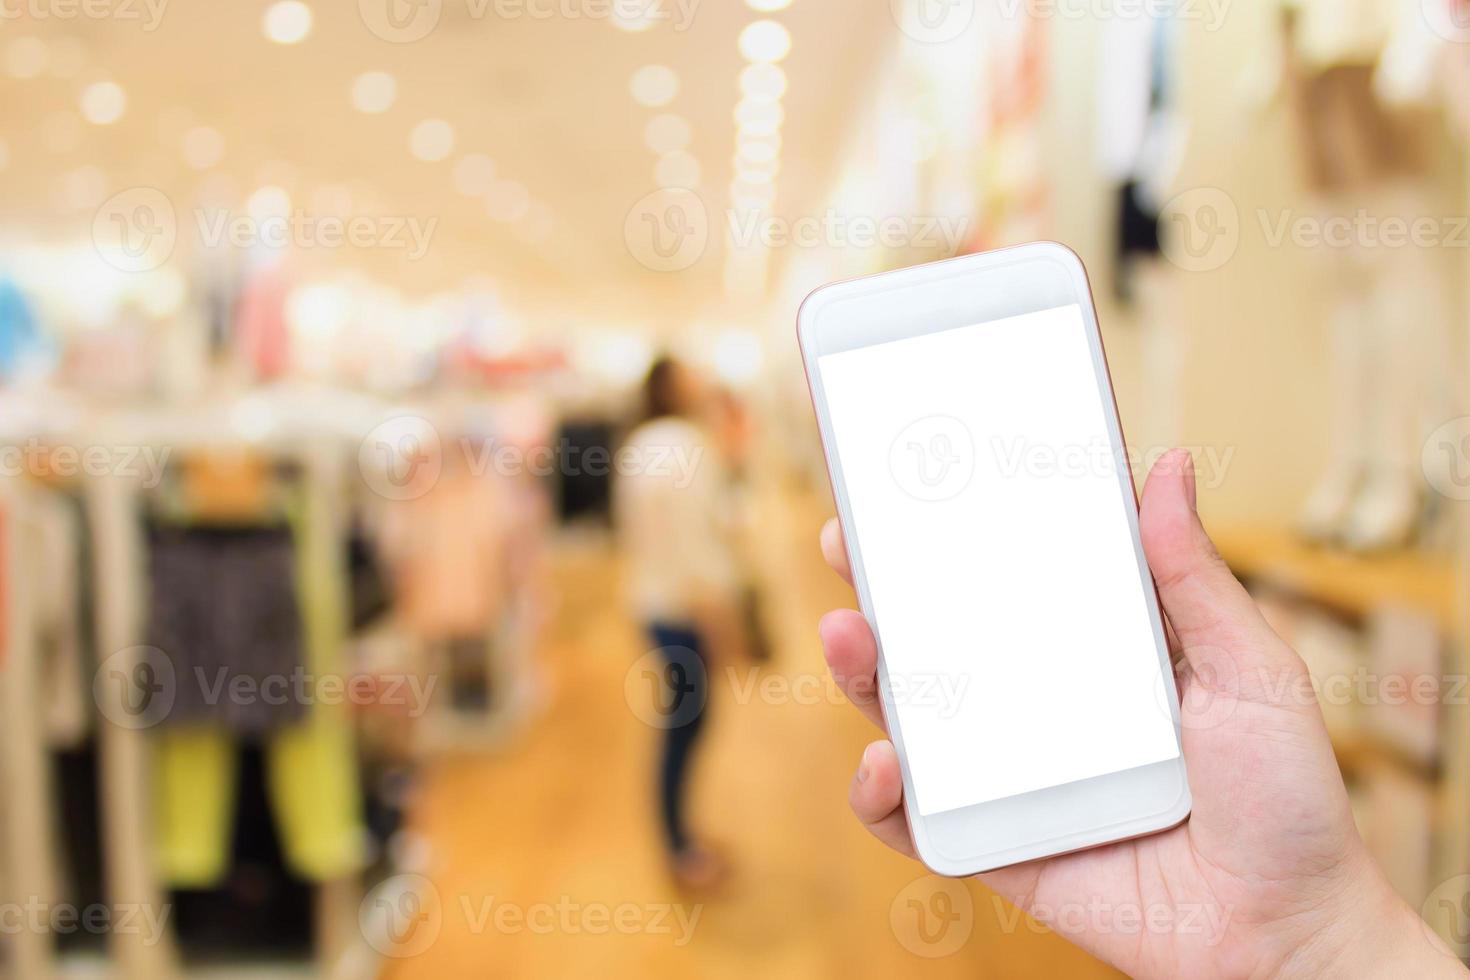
point(386, 387)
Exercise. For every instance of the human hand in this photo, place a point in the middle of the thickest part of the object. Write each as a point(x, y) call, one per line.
point(1269, 869)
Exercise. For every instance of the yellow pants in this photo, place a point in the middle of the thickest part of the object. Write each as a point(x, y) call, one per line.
point(311, 768)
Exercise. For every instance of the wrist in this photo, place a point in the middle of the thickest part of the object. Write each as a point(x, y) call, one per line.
point(1371, 932)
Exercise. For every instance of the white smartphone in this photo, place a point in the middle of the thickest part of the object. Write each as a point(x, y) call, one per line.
point(983, 486)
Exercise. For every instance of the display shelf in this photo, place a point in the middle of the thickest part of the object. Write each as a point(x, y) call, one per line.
point(1359, 752)
point(1345, 582)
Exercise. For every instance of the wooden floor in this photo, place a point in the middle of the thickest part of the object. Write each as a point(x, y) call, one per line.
point(559, 827)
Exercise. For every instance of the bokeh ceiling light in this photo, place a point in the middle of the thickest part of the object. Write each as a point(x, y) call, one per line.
point(431, 140)
point(26, 57)
point(677, 169)
point(103, 103)
point(768, 6)
point(203, 147)
point(666, 133)
point(474, 175)
point(770, 168)
point(269, 201)
point(767, 116)
point(752, 199)
point(753, 176)
point(286, 21)
point(757, 152)
point(654, 86)
point(374, 92)
point(763, 82)
point(765, 41)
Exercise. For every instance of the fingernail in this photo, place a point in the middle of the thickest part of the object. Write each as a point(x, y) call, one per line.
point(863, 766)
point(1190, 489)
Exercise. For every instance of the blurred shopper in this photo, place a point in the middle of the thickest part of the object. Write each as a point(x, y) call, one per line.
point(671, 503)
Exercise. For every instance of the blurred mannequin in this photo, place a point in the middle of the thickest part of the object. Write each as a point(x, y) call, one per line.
point(670, 511)
point(1365, 139)
point(1140, 144)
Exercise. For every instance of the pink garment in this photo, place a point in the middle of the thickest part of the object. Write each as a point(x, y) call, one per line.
point(448, 550)
point(260, 324)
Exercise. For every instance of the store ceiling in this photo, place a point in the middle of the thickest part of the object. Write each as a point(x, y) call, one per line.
point(546, 98)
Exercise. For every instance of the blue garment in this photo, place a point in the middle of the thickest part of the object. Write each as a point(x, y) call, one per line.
point(20, 335)
point(685, 696)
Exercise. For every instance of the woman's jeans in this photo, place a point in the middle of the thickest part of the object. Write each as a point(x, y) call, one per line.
point(681, 705)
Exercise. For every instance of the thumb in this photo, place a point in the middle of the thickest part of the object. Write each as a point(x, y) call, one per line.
point(1205, 604)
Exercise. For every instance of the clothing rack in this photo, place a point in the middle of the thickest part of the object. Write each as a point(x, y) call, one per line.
point(124, 776)
point(319, 435)
point(286, 436)
point(29, 871)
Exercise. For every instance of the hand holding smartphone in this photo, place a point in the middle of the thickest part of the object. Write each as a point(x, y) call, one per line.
point(981, 478)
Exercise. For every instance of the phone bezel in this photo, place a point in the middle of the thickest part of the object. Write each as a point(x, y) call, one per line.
point(941, 296)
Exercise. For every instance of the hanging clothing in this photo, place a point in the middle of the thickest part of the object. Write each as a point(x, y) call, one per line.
point(261, 337)
point(223, 609)
point(20, 336)
point(312, 764)
point(1140, 137)
point(65, 680)
point(448, 552)
point(1351, 141)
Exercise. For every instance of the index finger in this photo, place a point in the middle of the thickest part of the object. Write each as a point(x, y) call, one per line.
point(835, 550)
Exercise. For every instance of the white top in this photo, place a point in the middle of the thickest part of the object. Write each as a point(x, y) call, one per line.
point(670, 506)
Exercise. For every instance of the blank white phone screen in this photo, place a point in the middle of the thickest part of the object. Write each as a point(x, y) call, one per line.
point(993, 531)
